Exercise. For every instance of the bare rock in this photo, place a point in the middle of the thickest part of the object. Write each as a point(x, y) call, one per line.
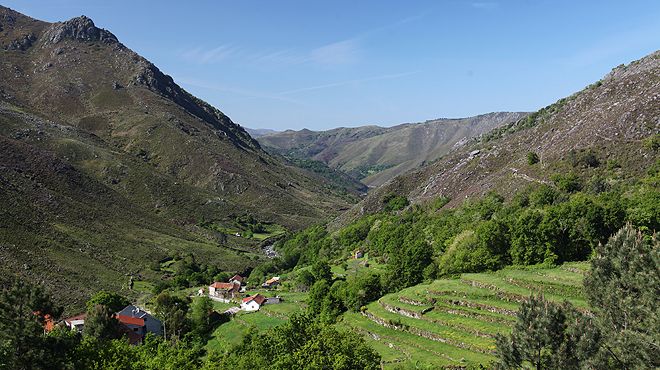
point(79, 28)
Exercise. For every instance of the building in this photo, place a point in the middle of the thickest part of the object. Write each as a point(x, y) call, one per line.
point(224, 291)
point(358, 254)
point(151, 324)
point(253, 303)
point(135, 328)
point(76, 323)
point(237, 279)
point(272, 282)
point(273, 300)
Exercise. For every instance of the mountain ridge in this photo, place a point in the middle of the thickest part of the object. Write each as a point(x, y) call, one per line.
point(375, 154)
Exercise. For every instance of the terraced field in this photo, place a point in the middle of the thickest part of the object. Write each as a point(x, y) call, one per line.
point(451, 323)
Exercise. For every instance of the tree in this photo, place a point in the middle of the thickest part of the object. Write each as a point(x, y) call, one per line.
point(548, 336)
point(623, 288)
point(362, 289)
point(407, 263)
point(201, 310)
point(317, 294)
point(321, 271)
point(101, 323)
point(24, 309)
point(304, 280)
point(303, 342)
point(172, 311)
point(113, 301)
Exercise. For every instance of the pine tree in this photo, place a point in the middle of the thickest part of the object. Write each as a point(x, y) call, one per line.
point(23, 311)
point(623, 288)
point(548, 336)
point(101, 323)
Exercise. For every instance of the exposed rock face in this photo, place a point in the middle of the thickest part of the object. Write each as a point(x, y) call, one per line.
point(80, 28)
point(21, 44)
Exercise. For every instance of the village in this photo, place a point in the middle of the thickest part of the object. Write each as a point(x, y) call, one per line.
point(137, 322)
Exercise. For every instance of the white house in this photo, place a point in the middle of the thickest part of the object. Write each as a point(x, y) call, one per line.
point(252, 303)
point(76, 322)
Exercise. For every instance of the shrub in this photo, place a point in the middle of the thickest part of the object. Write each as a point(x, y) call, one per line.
point(532, 158)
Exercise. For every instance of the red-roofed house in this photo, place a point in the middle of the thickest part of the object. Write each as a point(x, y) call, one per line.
point(237, 279)
point(252, 303)
point(134, 328)
point(224, 291)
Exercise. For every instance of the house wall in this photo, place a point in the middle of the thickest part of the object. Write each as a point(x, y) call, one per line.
point(250, 306)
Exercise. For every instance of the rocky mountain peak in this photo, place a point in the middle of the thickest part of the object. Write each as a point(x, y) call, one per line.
point(80, 28)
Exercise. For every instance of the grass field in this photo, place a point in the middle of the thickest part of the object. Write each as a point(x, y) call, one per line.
point(454, 322)
point(231, 333)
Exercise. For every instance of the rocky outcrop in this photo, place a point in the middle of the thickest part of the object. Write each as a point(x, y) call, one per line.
point(79, 28)
point(22, 43)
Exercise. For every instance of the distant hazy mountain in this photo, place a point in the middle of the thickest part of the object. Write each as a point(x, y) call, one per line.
point(375, 154)
point(257, 132)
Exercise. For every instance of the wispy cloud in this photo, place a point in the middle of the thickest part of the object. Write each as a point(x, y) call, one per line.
point(347, 82)
point(341, 52)
point(237, 91)
point(206, 56)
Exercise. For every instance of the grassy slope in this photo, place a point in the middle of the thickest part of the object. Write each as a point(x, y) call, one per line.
point(453, 322)
point(231, 333)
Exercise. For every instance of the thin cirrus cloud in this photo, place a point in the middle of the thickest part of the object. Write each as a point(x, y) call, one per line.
point(284, 95)
point(336, 53)
point(342, 52)
point(347, 82)
point(207, 56)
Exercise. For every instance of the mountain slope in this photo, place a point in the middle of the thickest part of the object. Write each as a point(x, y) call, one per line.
point(597, 135)
point(375, 154)
point(108, 164)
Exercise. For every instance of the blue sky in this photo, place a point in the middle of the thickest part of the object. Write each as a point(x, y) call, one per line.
point(323, 64)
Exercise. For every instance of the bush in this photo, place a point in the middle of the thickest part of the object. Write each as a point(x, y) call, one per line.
point(532, 158)
point(395, 202)
point(568, 183)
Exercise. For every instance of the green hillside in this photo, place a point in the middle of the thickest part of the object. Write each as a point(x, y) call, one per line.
point(453, 322)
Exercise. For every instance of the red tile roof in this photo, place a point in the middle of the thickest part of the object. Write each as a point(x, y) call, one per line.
point(237, 277)
point(257, 298)
point(129, 320)
point(225, 286)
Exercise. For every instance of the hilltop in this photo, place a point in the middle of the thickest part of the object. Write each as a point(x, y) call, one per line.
point(108, 165)
point(374, 154)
